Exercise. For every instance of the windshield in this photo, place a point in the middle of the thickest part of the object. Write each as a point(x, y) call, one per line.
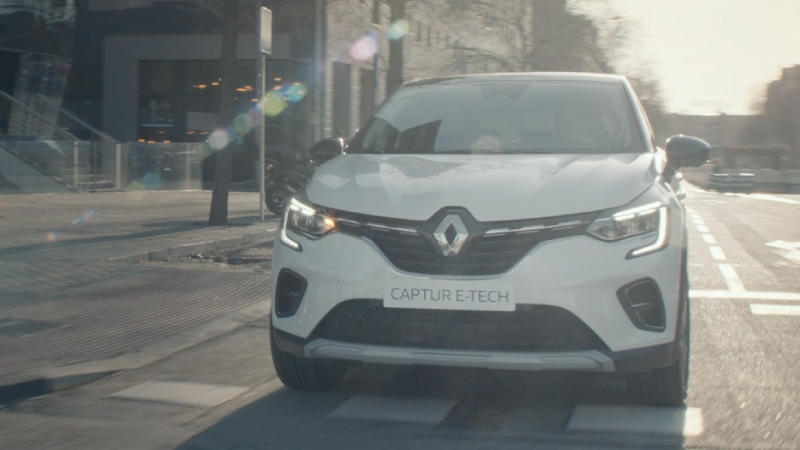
point(506, 116)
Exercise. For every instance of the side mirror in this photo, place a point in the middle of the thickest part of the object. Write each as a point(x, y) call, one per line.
point(687, 151)
point(326, 149)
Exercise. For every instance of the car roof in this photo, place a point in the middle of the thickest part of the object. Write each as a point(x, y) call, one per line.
point(519, 76)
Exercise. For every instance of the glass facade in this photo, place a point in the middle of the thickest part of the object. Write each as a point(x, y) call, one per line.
point(54, 58)
point(179, 100)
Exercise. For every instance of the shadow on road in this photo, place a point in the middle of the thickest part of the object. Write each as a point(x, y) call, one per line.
point(504, 409)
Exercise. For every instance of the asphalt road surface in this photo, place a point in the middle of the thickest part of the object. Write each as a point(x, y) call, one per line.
point(223, 394)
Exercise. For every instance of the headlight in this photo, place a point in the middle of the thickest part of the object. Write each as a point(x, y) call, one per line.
point(641, 220)
point(303, 217)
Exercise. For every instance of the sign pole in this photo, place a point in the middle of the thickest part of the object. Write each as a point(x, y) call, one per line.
point(261, 136)
point(264, 36)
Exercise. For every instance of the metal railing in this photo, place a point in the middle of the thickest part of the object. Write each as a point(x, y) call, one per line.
point(39, 152)
point(22, 122)
point(93, 166)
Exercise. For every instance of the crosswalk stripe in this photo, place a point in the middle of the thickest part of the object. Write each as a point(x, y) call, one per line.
point(774, 310)
point(637, 419)
point(745, 295)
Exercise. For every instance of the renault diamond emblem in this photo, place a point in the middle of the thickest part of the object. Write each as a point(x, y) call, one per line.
point(451, 235)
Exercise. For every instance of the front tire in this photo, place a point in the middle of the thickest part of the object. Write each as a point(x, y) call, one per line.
point(301, 374)
point(668, 386)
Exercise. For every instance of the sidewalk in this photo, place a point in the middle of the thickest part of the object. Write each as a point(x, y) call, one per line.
point(53, 242)
point(69, 295)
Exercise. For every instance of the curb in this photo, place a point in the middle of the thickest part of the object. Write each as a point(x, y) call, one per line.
point(193, 248)
point(20, 387)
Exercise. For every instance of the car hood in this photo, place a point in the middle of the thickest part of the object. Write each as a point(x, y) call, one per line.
point(490, 187)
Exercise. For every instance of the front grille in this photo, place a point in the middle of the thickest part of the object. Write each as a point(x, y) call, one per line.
point(490, 249)
point(532, 328)
point(487, 255)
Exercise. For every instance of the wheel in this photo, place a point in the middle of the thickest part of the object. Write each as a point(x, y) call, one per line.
point(276, 198)
point(301, 374)
point(667, 386)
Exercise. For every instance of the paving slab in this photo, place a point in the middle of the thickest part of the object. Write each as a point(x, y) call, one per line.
point(181, 393)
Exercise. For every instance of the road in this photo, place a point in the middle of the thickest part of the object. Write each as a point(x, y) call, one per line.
point(223, 394)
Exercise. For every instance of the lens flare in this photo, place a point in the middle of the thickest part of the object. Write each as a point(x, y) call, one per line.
point(273, 103)
point(254, 117)
point(242, 124)
point(218, 139)
point(365, 47)
point(398, 30)
point(151, 181)
point(295, 92)
point(135, 191)
point(85, 216)
point(233, 135)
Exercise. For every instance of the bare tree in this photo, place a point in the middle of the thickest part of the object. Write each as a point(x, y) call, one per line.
point(218, 214)
point(394, 77)
point(522, 36)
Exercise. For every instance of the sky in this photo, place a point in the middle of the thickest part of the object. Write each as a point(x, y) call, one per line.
point(712, 56)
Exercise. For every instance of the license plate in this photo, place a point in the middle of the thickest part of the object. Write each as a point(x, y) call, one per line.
point(471, 295)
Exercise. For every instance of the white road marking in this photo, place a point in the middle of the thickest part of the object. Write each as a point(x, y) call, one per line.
point(734, 283)
point(702, 228)
point(709, 239)
point(180, 393)
point(746, 295)
point(704, 192)
point(770, 197)
point(793, 247)
point(717, 253)
point(774, 310)
point(698, 221)
point(417, 410)
point(637, 419)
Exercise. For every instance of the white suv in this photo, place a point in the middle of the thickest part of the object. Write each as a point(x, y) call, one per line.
point(516, 221)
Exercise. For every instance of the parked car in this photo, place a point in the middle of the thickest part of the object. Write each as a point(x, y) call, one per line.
point(519, 221)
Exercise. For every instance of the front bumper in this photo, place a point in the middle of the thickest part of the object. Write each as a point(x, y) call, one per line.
point(579, 274)
point(632, 361)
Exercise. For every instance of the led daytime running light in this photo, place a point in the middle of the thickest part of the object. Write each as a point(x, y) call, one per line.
point(661, 240)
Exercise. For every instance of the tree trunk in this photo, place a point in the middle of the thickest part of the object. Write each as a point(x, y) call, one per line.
point(222, 172)
point(395, 76)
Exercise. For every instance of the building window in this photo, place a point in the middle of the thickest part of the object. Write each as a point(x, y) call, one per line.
point(179, 100)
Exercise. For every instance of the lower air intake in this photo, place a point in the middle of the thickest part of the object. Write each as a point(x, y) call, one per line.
point(532, 328)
